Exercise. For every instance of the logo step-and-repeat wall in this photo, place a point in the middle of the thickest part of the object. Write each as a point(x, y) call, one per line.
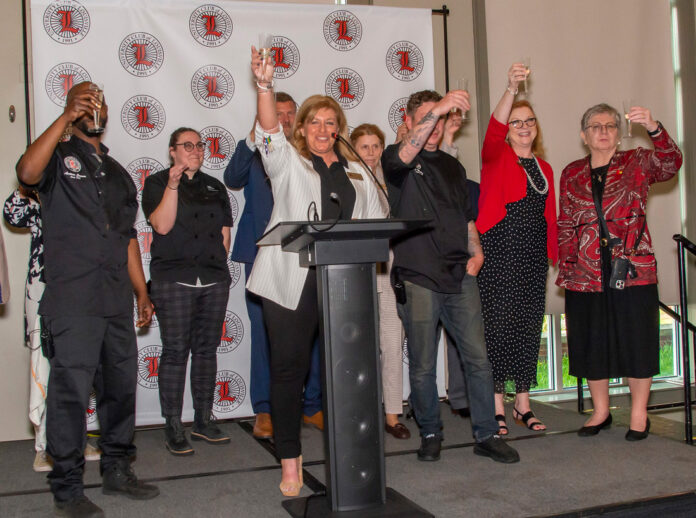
point(181, 63)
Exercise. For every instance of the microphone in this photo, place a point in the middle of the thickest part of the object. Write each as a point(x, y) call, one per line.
point(336, 198)
point(336, 136)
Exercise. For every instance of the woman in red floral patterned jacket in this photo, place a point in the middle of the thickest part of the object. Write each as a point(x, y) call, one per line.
point(613, 330)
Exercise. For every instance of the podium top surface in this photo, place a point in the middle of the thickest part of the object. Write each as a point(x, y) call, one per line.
point(296, 235)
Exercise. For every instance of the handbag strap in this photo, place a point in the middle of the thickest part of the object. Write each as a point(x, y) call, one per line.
point(608, 241)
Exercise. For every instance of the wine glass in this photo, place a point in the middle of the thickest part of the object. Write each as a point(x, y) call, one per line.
point(96, 111)
point(462, 84)
point(527, 61)
point(627, 104)
point(265, 44)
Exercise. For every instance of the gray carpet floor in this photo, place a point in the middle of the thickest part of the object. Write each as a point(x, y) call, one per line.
point(559, 473)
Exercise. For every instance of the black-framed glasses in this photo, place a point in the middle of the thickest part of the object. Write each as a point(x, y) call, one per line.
point(517, 124)
point(188, 146)
point(596, 128)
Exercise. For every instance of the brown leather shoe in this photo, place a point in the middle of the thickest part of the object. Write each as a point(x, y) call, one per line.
point(316, 420)
point(399, 431)
point(263, 427)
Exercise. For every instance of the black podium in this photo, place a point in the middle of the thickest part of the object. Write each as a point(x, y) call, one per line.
point(345, 253)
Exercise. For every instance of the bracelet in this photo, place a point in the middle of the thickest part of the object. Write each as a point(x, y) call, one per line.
point(172, 188)
point(513, 93)
point(657, 131)
point(268, 86)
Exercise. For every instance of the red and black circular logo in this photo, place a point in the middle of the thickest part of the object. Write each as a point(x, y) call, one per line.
point(91, 413)
point(212, 86)
point(141, 54)
point(148, 366)
point(140, 169)
point(143, 117)
point(144, 241)
point(235, 272)
point(342, 30)
point(210, 25)
point(66, 21)
point(404, 61)
point(397, 113)
point(219, 147)
point(234, 205)
point(286, 57)
point(346, 87)
point(232, 333)
point(230, 391)
point(61, 78)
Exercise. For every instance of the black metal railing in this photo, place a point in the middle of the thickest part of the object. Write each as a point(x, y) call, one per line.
point(685, 327)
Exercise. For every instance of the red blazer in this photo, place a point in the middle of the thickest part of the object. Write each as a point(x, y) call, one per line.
point(504, 181)
point(625, 193)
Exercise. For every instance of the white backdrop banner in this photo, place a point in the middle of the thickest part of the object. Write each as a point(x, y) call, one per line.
point(166, 64)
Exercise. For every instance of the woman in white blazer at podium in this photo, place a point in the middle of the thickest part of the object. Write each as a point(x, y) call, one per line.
point(319, 175)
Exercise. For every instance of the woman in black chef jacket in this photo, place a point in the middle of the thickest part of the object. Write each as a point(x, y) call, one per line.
point(191, 218)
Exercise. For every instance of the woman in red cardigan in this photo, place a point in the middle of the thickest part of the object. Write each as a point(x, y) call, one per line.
point(517, 223)
point(613, 327)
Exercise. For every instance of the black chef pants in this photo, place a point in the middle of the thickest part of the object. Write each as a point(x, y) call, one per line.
point(89, 351)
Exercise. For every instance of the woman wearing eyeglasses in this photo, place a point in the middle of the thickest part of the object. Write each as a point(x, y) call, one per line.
point(191, 218)
point(517, 224)
point(612, 316)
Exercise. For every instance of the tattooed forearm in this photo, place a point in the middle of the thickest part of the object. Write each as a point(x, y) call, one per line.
point(416, 138)
point(474, 246)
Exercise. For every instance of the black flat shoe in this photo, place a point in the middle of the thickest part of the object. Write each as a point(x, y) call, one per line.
point(632, 435)
point(587, 431)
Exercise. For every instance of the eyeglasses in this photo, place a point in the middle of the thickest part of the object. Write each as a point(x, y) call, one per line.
point(517, 124)
point(188, 146)
point(597, 128)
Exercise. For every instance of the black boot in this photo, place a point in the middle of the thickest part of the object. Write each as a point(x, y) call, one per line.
point(119, 479)
point(206, 430)
point(80, 507)
point(175, 438)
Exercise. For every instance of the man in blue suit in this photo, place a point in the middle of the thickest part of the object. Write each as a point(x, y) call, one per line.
point(246, 170)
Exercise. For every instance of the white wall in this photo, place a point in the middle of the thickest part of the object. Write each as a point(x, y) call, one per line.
point(14, 368)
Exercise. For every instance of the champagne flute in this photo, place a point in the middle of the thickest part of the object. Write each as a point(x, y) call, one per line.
point(265, 44)
point(527, 61)
point(462, 84)
point(627, 109)
point(96, 112)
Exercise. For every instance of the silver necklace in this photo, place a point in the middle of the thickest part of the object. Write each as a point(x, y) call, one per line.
point(545, 189)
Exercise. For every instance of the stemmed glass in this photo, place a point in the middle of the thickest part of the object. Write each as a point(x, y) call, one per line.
point(627, 109)
point(462, 84)
point(265, 44)
point(527, 61)
point(96, 112)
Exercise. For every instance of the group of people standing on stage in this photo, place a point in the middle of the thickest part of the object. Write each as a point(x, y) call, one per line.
point(478, 270)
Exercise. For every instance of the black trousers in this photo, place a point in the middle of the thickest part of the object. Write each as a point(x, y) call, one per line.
point(89, 351)
point(291, 334)
point(190, 322)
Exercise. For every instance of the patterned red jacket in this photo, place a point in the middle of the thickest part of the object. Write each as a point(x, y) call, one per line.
point(625, 193)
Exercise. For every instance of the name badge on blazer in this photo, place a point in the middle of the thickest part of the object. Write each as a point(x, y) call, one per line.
point(354, 176)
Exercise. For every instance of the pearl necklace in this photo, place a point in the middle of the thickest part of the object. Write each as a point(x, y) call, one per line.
point(545, 189)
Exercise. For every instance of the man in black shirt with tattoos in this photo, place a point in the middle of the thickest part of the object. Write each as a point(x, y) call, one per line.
point(435, 272)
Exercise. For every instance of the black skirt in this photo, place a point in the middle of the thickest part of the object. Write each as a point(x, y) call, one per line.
point(613, 333)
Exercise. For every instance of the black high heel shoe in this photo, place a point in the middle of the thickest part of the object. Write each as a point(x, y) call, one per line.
point(633, 435)
point(587, 431)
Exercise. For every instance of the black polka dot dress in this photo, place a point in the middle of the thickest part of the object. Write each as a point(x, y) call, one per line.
point(513, 285)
